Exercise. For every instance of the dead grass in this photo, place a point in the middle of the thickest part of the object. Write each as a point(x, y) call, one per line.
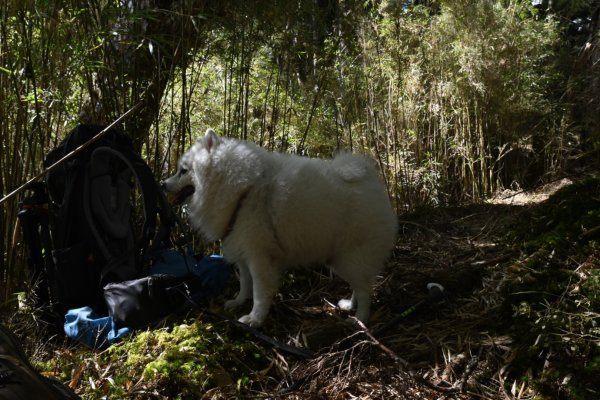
point(529, 197)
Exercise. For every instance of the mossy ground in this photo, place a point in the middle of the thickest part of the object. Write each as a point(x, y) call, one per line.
point(182, 361)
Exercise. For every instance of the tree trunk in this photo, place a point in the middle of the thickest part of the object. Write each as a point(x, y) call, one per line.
point(149, 43)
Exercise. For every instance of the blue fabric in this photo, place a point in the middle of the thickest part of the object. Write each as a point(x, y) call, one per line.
point(215, 273)
point(85, 326)
point(173, 262)
point(213, 270)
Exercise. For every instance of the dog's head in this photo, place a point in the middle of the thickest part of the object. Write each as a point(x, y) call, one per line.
point(182, 185)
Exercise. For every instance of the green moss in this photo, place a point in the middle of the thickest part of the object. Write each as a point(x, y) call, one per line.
point(591, 289)
point(189, 358)
point(181, 362)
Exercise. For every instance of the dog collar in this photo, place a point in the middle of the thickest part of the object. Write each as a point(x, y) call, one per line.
point(235, 213)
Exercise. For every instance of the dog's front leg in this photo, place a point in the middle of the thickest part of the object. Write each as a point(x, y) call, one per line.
point(245, 288)
point(265, 283)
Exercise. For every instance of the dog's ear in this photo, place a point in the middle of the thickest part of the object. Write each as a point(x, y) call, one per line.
point(211, 140)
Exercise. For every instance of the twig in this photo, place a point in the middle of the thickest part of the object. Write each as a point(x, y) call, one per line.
point(491, 261)
point(404, 222)
point(403, 362)
point(589, 232)
point(383, 347)
point(469, 369)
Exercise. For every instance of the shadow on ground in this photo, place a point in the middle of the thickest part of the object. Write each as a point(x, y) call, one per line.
point(444, 348)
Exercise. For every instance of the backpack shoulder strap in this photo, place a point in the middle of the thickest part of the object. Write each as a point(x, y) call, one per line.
point(153, 200)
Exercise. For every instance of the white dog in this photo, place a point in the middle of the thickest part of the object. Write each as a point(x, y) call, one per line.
point(274, 211)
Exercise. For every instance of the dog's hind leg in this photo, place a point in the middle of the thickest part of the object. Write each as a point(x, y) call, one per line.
point(360, 272)
point(265, 283)
point(348, 304)
point(361, 300)
point(245, 288)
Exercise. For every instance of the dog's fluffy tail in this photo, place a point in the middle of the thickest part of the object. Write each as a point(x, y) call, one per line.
point(353, 167)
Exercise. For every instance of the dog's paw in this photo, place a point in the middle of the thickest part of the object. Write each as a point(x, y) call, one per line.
point(251, 320)
point(233, 303)
point(346, 304)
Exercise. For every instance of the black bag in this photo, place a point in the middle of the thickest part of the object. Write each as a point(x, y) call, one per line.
point(19, 380)
point(141, 302)
point(176, 283)
point(100, 232)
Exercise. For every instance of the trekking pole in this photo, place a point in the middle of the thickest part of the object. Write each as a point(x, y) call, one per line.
point(298, 351)
point(436, 293)
point(73, 153)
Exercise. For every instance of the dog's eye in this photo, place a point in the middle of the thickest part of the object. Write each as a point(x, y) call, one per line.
point(183, 171)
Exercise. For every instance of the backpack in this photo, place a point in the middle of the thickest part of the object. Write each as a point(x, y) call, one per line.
point(19, 380)
point(96, 220)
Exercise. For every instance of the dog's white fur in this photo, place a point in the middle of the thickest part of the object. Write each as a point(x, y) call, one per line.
point(275, 211)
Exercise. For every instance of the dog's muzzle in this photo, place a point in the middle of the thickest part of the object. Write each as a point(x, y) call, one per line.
point(179, 197)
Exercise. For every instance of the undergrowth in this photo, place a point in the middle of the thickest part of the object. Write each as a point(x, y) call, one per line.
point(181, 362)
point(553, 294)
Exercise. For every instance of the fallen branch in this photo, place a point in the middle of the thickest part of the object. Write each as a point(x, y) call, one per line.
point(383, 347)
point(416, 376)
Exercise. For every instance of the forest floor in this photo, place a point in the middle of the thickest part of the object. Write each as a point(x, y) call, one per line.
point(519, 320)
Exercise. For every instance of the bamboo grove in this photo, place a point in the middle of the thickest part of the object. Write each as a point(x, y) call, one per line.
point(455, 99)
